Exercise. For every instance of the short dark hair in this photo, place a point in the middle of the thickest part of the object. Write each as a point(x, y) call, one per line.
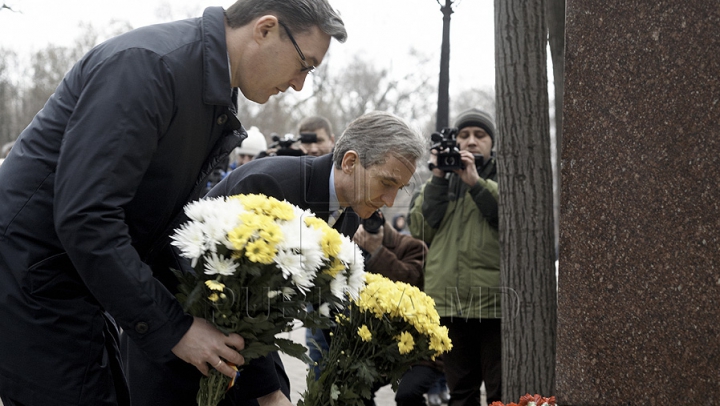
point(298, 15)
point(315, 122)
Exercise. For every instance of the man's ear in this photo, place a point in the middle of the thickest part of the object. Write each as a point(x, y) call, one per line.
point(349, 160)
point(264, 26)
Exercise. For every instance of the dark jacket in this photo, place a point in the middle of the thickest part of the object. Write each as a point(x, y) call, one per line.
point(88, 194)
point(303, 181)
point(400, 258)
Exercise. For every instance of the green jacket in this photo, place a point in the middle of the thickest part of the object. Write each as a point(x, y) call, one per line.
point(460, 226)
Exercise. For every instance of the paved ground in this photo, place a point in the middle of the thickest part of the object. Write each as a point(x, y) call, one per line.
point(297, 371)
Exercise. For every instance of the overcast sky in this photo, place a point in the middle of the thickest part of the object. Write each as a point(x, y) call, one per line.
point(382, 31)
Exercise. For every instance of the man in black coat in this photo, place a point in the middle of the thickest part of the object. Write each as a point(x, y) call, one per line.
point(89, 191)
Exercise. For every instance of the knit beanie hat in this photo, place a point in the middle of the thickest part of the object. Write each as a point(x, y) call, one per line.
point(254, 144)
point(476, 118)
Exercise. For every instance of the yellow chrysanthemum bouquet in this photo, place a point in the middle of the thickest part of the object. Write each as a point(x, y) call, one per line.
point(258, 263)
point(386, 329)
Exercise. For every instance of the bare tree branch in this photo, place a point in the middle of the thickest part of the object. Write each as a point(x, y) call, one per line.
point(5, 6)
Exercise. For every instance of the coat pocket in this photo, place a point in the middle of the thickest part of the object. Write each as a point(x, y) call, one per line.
point(55, 278)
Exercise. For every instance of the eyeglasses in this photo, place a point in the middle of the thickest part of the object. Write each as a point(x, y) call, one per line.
point(306, 67)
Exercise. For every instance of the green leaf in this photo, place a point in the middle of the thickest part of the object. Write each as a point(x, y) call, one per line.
point(293, 349)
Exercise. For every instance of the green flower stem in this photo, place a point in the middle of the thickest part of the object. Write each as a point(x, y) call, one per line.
point(212, 388)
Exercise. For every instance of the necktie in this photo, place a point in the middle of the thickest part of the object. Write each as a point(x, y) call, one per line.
point(334, 216)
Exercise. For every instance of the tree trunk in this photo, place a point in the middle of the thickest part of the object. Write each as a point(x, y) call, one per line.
point(443, 108)
point(556, 37)
point(526, 199)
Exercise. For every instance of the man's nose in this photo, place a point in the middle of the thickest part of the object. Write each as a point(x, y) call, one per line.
point(389, 198)
point(298, 81)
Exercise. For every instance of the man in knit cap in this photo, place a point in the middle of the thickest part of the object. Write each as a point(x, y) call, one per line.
point(456, 214)
point(251, 146)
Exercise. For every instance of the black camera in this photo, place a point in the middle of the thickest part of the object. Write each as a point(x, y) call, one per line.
point(308, 138)
point(448, 153)
point(284, 145)
point(373, 223)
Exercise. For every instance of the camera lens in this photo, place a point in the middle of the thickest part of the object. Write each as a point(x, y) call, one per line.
point(373, 223)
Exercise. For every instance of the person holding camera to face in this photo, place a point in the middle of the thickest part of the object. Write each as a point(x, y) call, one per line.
point(389, 253)
point(316, 136)
point(456, 214)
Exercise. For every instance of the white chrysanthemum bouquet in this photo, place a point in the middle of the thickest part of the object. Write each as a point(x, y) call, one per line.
point(259, 262)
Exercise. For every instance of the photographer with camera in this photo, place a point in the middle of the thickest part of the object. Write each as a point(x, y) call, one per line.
point(283, 146)
point(456, 214)
point(396, 256)
point(316, 136)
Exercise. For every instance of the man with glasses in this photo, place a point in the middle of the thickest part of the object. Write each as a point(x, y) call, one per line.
point(90, 190)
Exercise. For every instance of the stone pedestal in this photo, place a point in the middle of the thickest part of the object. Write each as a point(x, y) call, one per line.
point(639, 280)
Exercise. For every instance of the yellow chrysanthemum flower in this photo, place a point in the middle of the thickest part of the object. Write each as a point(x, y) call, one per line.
point(330, 241)
point(365, 333)
point(315, 222)
point(256, 203)
point(272, 233)
point(260, 251)
point(214, 297)
point(406, 343)
point(215, 285)
point(397, 300)
point(281, 210)
point(336, 266)
point(253, 220)
point(239, 236)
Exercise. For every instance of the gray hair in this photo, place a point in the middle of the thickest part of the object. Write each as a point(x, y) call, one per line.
point(298, 15)
point(375, 135)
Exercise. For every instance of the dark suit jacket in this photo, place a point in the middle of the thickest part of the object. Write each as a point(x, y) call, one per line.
point(302, 181)
point(305, 182)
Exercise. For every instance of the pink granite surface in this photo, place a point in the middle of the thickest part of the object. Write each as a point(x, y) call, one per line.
point(639, 279)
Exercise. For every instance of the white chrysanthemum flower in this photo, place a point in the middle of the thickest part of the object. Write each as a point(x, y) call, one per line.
point(303, 280)
point(348, 252)
point(324, 309)
point(219, 265)
point(199, 210)
point(190, 239)
point(215, 228)
point(292, 233)
point(356, 280)
point(288, 292)
point(221, 220)
point(272, 294)
point(304, 240)
point(289, 262)
point(338, 285)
